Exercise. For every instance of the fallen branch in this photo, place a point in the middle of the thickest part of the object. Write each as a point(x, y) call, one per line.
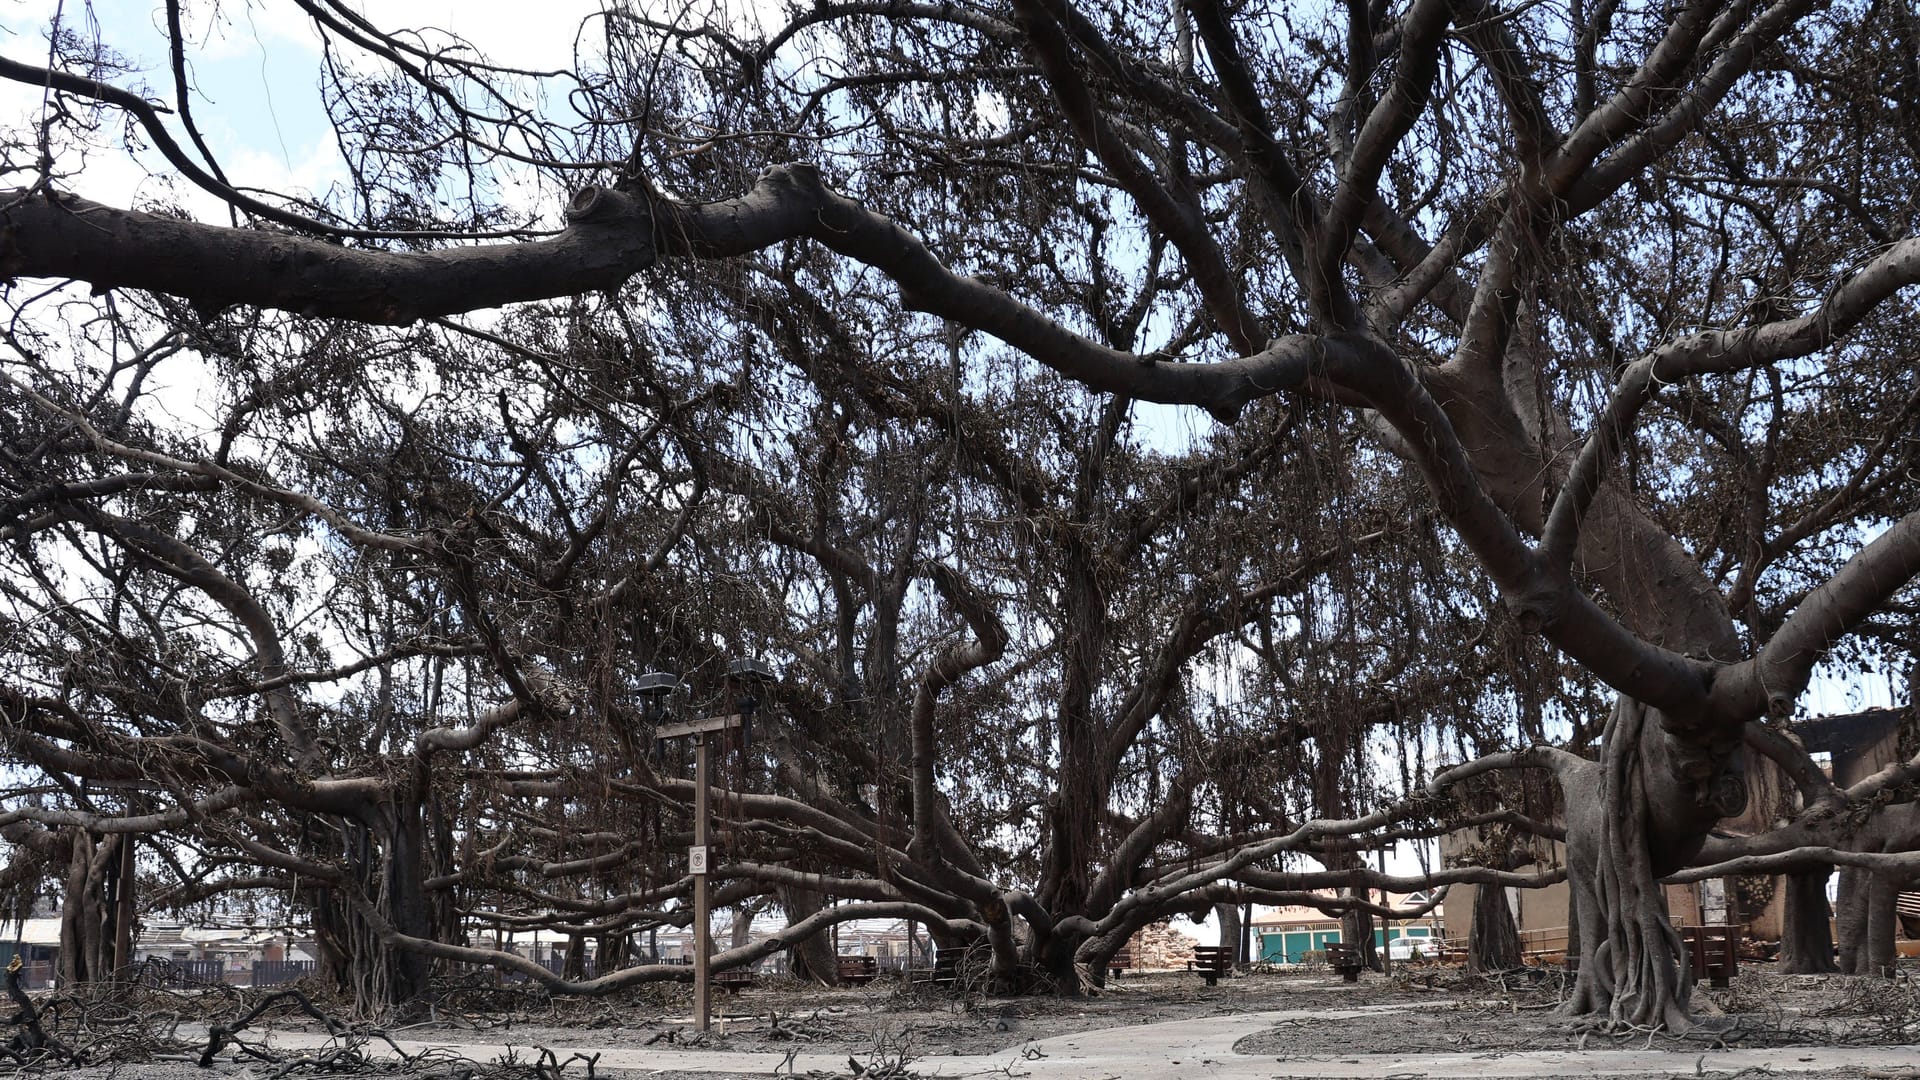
point(219, 1035)
point(32, 1042)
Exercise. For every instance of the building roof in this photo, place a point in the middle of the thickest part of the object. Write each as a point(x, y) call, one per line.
point(1308, 915)
point(1847, 734)
point(31, 932)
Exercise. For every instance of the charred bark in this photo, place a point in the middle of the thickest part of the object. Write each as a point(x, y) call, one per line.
point(1633, 818)
point(1228, 917)
point(1865, 921)
point(89, 912)
point(1357, 926)
point(1806, 938)
point(812, 958)
point(1493, 944)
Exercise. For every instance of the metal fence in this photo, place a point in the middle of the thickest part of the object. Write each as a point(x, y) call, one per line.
point(280, 972)
point(156, 972)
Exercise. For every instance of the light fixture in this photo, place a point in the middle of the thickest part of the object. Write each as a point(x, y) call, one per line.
point(747, 675)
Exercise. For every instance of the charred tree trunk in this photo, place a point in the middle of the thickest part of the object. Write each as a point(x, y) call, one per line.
point(1806, 937)
point(811, 959)
point(1575, 946)
point(123, 879)
point(1493, 943)
point(386, 857)
point(1663, 781)
point(1074, 849)
point(87, 912)
point(612, 952)
point(1865, 920)
point(1866, 923)
point(1228, 916)
point(1073, 835)
point(408, 908)
point(1633, 974)
point(1850, 917)
point(1357, 926)
point(1635, 816)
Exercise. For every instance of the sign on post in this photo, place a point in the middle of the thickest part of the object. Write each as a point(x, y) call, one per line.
point(697, 860)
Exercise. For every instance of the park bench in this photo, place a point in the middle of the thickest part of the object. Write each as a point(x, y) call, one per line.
point(858, 970)
point(1714, 951)
point(1211, 961)
point(945, 970)
point(1119, 961)
point(733, 980)
point(1345, 959)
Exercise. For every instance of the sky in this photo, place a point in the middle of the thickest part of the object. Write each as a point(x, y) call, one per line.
point(255, 65)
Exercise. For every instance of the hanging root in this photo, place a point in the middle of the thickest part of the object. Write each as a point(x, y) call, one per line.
point(1632, 974)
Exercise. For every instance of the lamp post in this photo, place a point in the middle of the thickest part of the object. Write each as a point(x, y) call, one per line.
point(656, 689)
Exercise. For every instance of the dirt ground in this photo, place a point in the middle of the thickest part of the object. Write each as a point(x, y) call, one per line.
point(890, 1015)
point(888, 1024)
point(1446, 1011)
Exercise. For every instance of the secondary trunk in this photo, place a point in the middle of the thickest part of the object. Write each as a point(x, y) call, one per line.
point(811, 959)
point(1865, 919)
point(386, 859)
point(1228, 915)
point(1357, 926)
point(1806, 938)
point(1635, 816)
point(1493, 944)
point(86, 932)
point(575, 965)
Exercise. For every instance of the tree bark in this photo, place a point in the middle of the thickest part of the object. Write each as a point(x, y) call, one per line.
point(1850, 918)
point(1228, 915)
point(74, 953)
point(1357, 927)
point(1806, 938)
point(123, 898)
point(1493, 943)
point(1630, 970)
point(408, 908)
point(812, 959)
point(1865, 919)
point(1879, 952)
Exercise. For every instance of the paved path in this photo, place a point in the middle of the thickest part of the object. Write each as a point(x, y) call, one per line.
point(1204, 1048)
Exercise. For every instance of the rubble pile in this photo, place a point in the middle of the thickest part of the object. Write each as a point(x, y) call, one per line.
point(1160, 947)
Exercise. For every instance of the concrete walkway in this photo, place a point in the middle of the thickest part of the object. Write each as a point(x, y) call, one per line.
point(1204, 1048)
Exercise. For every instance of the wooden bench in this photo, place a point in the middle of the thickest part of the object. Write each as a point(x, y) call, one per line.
point(1344, 958)
point(1714, 952)
point(945, 971)
point(858, 970)
point(1119, 962)
point(733, 980)
point(1211, 961)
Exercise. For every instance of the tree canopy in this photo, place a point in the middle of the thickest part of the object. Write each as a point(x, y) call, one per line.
point(1544, 400)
